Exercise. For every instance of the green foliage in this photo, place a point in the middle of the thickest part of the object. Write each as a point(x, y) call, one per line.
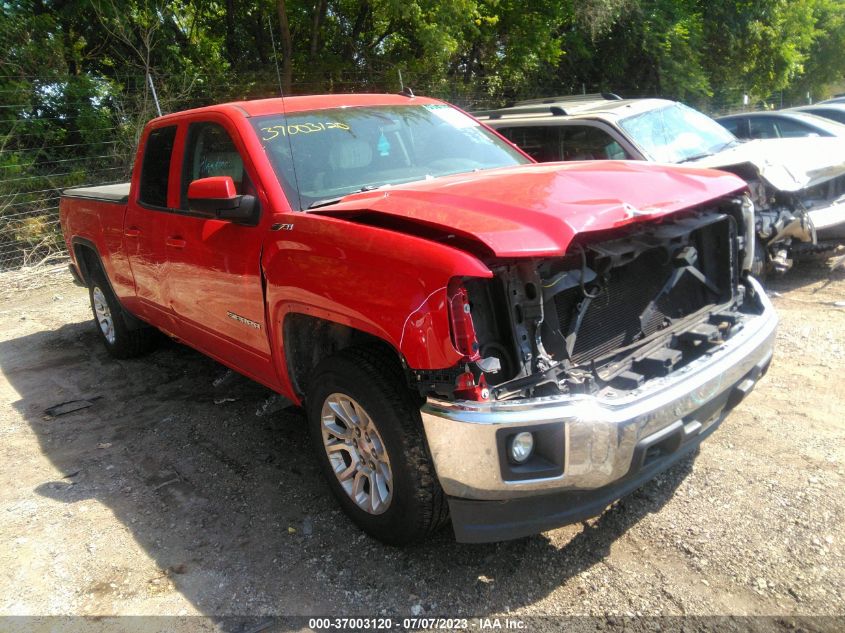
point(674, 36)
point(825, 62)
point(758, 47)
point(74, 93)
point(199, 52)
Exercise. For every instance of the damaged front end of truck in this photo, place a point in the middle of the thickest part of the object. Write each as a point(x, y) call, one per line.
point(609, 340)
point(589, 373)
point(621, 307)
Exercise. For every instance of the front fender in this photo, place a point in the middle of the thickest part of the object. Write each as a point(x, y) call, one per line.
point(382, 282)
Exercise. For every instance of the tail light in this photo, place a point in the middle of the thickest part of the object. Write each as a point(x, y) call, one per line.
point(460, 314)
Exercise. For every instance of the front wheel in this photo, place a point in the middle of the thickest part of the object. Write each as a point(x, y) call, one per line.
point(367, 433)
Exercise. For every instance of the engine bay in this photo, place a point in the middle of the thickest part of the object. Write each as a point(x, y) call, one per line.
point(620, 308)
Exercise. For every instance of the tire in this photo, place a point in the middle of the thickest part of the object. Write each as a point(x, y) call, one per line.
point(121, 333)
point(413, 505)
point(760, 264)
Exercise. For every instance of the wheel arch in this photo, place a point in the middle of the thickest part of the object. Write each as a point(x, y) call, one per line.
point(309, 340)
point(86, 256)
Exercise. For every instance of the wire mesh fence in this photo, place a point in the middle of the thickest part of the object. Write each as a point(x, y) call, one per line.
point(56, 132)
point(51, 141)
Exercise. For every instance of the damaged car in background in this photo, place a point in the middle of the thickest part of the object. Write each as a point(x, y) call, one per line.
point(797, 184)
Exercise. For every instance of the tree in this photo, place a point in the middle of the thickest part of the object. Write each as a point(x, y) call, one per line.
point(756, 48)
point(287, 46)
point(825, 63)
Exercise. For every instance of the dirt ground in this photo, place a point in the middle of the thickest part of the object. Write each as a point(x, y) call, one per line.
point(170, 495)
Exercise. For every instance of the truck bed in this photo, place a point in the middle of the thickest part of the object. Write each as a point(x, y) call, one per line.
point(118, 194)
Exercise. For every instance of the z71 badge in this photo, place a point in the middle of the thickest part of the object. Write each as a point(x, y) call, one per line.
point(244, 320)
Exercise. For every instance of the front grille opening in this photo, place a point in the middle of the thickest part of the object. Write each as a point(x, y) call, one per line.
point(643, 295)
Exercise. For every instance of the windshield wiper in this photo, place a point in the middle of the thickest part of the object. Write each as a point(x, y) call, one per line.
point(327, 201)
point(695, 157)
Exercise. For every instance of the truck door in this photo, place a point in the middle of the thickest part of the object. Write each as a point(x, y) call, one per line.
point(214, 283)
point(144, 226)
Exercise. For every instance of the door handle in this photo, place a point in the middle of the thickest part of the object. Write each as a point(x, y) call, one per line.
point(175, 242)
point(132, 231)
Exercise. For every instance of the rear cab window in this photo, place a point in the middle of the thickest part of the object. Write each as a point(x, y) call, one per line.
point(155, 169)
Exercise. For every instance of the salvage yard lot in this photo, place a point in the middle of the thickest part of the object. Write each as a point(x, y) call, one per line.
point(178, 493)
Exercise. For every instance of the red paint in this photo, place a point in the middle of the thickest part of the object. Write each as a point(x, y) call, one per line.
point(536, 210)
point(184, 273)
point(214, 188)
point(468, 389)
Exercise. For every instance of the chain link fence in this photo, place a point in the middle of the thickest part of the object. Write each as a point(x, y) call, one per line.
point(53, 142)
point(48, 143)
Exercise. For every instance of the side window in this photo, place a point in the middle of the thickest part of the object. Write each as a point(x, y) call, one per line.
point(762, 127)
point(155, 170)
point(540, 143)
point(787, 128)
point(211, 152)
point(590, 143)
point(733, 126)
point(834, 115)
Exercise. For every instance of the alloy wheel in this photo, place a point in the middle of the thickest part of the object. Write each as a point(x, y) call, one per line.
point(103, 314)
point(357, 453)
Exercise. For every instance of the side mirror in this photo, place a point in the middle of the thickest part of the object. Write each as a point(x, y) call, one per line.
point(216, 197)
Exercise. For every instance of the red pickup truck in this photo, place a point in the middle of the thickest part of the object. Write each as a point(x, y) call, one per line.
point(473, 335)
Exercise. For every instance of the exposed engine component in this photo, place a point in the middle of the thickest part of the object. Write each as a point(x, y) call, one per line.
point(789, 223)
point(620, 308)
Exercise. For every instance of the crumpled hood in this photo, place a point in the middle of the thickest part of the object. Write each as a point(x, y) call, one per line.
point(536, 210)
point(788, 164)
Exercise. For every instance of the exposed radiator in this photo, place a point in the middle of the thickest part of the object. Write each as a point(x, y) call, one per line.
point(613, 319)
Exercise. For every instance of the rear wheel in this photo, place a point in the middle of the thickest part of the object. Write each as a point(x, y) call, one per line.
point(122, 335)
point(367, 433)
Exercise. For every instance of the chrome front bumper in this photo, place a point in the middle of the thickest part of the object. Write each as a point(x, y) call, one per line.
point(601, 437)
point(828, 221)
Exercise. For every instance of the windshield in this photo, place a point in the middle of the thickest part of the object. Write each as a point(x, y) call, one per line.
point(325, 154)
point(676, 133)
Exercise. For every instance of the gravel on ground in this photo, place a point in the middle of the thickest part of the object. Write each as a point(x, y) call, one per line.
point(183, 489)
